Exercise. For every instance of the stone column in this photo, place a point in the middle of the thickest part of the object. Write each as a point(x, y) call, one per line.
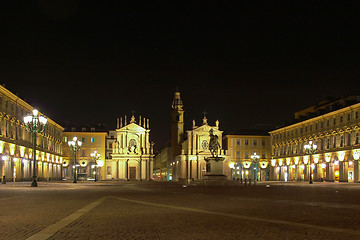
point(356, 171)
point(327, 169)
point(189, 143)
point(342, 170)
point(151, 167)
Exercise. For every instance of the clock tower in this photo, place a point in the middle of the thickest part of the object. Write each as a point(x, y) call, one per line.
point(177, 125)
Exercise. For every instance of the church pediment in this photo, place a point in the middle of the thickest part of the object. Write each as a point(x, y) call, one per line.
point(206, 128)
point(132, 127)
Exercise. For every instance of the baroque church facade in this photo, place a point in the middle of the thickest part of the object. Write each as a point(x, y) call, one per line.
point(131, 151)
point(189, 150)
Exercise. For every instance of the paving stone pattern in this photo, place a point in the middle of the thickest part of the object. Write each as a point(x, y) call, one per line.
point(169, 211)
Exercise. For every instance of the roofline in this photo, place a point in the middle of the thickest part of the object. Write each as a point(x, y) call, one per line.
point(316, 118)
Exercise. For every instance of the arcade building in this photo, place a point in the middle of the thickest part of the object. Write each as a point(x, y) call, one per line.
point(334, 127)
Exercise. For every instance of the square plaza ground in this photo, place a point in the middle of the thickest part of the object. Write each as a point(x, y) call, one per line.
point(153, 210)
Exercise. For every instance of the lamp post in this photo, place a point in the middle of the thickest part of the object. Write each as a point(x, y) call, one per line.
point(255, 159)
point(96, 156)
point(310, 149)
point(75, 146)
point(35, 123)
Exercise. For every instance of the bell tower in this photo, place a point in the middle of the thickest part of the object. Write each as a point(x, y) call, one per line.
point(177, 125)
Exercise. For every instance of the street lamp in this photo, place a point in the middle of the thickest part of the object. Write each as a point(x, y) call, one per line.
point(75, 146)
point(310, 149)
point(255, 159)
point(96, 156)
point(35, 123)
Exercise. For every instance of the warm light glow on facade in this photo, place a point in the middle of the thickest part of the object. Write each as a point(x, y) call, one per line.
point(231, 165)
point(263, 164)
point(341, 155)
point(296, 160)
point(280, 162)
point(65, 163)
point(327, 157)
point(316, 158)
point(356, 154)
point(12, 149)
point(273, 162)
point(306, 159)
point(1, 146)
point(246, 164)
point(22, 151)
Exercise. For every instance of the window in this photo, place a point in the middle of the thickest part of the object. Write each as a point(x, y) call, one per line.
point(263, 142)
point(255, 142)
point(348, 139)
point(108, 170)
point(341, 119)
point(92, 139)
point(237, 142)
point(83, 129)
point(65, 139)
point(342, 141)
point(328, 143)
point(238, 154)
point(83, 139)
point(246, 142)
point(349, 116)
point(334, 121)
point(246, 155)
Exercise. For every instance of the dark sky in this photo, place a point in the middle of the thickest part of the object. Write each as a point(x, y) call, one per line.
point(244, 62)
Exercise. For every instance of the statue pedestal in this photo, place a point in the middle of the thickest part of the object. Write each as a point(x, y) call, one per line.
point(214, 170)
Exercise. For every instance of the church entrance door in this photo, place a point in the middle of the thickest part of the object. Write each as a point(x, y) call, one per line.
point(132, 173)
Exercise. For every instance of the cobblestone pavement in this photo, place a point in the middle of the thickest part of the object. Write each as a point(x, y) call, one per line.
point(152, 210)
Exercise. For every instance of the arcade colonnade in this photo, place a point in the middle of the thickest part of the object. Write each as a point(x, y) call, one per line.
point(337, 137)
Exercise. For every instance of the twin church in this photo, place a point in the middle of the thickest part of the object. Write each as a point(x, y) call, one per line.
point(132, 156)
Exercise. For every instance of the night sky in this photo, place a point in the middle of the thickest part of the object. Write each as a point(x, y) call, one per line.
point(245, 63)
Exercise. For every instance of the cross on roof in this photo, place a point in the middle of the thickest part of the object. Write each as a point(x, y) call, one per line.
point(204, 112)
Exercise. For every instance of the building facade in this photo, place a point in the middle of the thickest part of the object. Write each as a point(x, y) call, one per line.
point(93, 139)
point(132, 152)
point(249, 155)
point(331, 125)
point(162, 168)
point(188, 152)
point(16, 144)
